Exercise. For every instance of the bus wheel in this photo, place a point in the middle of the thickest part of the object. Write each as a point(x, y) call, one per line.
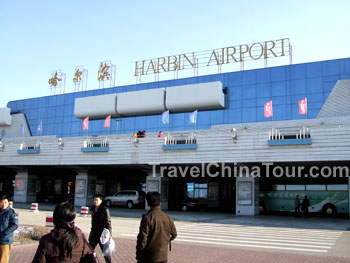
point(329, 210)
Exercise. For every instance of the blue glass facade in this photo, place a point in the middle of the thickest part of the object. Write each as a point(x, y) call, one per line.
point(247, 92)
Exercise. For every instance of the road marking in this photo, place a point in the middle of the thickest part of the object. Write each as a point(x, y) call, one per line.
point(269, 237)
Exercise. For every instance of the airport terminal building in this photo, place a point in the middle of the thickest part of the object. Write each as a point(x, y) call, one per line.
point(243, 142)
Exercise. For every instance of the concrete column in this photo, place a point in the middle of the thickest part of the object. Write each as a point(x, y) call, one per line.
point(154, 182)
point(247, 194)
point(85, 188)
point(25, 187)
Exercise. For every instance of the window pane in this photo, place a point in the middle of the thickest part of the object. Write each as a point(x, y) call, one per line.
point(190, 189)
point(201, 185)
point(202, 193)
point(295, 187)
point(278, 187)
point(316, 187)
point(337, 187)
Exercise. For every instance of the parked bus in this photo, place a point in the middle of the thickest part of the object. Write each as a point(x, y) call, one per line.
point(329, 199)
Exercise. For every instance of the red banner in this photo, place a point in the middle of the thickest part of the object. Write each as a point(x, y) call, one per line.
point(107, 121)
point(303, 106)
point(86, 123)
point(268, 109)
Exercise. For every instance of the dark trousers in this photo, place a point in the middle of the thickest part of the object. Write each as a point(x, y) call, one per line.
point(297, 211)
point(108, 259)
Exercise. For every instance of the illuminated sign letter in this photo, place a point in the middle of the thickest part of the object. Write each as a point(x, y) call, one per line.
point(261, 51)
point(230, 55)
point(266, 49)
point(174, 62)
point(192, 63)
point(136, 69)
point(241, 53)
point(162, 65)
point(153, 67)
point(215, 56)
point(282, 45)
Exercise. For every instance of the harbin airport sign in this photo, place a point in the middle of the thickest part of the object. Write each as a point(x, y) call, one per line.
point(218, 57)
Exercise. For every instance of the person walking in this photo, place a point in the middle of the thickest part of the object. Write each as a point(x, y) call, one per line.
point(8, 224)
point(66, 242)
point(305, 206)
point(297, 205)
point(100, 219)
point(160, 134)
point(157, 230)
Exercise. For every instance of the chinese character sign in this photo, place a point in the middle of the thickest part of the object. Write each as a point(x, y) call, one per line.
point(78, 76)
point(106, 72)
point(80, 79)
point(57, 81)
point(103, 72)
point(54, 80)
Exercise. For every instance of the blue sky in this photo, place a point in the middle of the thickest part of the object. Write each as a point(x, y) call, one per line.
point(38, 37)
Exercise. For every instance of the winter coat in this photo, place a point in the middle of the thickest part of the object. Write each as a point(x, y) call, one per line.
point(99, 220)
point(305, 204)
point(49, 252)
point(296, 202)
point(8, 224)
point(157, 230)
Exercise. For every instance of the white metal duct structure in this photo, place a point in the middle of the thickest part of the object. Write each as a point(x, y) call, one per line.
point(5, 117)
point(202, 96)
point(141, 102)
point(96, 107)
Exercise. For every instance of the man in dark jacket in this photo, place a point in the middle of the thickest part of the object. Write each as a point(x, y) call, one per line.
point(305, 206)
point(157, 230)
point(8, 224)
point(100, 219)
point(297, 205)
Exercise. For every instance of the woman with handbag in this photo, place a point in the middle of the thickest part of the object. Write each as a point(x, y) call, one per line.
point(66, 242)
